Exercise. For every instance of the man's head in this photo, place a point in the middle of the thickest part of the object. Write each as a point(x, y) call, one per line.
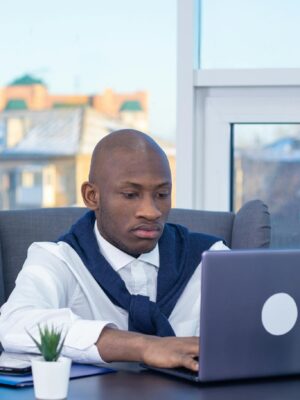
point(129, 189)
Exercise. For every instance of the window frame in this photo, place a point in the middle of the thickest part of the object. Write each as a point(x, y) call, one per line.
point(208, 102)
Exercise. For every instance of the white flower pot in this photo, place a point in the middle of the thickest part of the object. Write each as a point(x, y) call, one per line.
point(51, 378)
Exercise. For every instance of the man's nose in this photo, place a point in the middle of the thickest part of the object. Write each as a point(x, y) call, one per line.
point(148, 209)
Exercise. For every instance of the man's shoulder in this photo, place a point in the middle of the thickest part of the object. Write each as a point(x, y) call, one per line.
point(53, 257)
point(41, 249)
point(43, 246)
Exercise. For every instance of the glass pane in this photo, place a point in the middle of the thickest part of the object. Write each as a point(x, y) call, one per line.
point(249, 34)
point(71, 72)
point(266, 165)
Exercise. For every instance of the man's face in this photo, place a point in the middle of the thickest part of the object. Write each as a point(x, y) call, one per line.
point(135, 199)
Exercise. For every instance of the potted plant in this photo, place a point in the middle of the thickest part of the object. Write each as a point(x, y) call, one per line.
point(51, 371)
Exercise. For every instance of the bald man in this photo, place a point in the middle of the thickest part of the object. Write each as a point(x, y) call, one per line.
point(124, 284)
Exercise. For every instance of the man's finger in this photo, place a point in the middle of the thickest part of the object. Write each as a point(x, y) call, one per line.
point(190, 363)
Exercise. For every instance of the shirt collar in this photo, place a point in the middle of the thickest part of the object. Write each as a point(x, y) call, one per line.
point(118, 258)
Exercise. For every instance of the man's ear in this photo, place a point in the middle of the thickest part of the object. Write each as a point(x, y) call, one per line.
point(90, 195)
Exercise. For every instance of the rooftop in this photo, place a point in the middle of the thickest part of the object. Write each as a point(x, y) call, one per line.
point(26, 80)
point(56, 132)
point(131, 105)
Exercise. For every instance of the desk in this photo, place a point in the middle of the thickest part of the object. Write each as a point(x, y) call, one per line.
point(131, 383)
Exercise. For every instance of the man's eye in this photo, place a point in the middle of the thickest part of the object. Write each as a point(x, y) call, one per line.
point(163, 195)
point(129, 195)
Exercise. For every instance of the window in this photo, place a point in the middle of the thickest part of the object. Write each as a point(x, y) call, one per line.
point(72, 72)
point(249, 34)
point(266, 165)
point(27, 179)
point(236, 68)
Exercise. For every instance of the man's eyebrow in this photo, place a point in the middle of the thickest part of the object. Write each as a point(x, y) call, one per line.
point(168, 183)
point(138, 185)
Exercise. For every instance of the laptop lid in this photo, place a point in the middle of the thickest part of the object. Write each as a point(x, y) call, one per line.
point(249, 324)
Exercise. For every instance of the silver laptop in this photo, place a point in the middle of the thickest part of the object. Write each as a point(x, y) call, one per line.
point(249, 323)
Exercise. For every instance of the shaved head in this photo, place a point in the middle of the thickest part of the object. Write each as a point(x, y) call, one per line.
point(129, 189)
point(127, 141)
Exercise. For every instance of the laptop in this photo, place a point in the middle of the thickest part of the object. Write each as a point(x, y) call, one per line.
point(249, 322)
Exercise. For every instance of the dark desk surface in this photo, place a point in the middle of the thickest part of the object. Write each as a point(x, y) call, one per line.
point(133, 384)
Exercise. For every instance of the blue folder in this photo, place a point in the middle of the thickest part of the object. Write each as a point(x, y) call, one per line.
point(77, 371)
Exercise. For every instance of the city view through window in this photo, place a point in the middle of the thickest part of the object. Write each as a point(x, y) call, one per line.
point(267, 167)
point(69, 81)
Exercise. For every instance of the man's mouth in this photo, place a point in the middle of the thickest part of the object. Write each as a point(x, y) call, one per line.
point(147, 231)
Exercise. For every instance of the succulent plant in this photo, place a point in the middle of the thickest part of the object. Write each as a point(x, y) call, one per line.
point(51, 342)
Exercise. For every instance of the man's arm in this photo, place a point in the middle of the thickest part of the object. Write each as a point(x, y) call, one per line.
point(167, 352)
point(44, 294)
point(162, 352)
point(41, 296)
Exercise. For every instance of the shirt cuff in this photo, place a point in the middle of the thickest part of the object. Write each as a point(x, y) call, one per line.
point(81, 338)
point(219, 246)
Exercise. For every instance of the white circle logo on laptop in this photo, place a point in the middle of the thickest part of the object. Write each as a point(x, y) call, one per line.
point(279, 314)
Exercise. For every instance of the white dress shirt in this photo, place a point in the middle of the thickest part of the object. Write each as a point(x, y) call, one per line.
point(54, 287)
point(139, 274)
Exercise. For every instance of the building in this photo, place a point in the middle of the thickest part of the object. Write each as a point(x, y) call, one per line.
point(30, 93)
point(45, 155)
point(46, 140)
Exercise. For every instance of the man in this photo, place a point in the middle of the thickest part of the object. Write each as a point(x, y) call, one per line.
point(121, 282)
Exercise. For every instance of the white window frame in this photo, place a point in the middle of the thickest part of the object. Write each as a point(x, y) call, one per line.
point(208, 101)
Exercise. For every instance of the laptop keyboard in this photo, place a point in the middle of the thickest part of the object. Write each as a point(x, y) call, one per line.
point(185, 371)
point(179, 372)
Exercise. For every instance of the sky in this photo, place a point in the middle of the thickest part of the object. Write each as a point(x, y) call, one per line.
point(250, 34)
point(88, 46)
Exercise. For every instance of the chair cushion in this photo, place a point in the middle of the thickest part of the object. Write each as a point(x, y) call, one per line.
point(20, 228)
point(216, 223)
point(251, 227)
point(2, 290)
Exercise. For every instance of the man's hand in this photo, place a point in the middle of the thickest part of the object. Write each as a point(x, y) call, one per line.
point(171, 352)
point(163, 352)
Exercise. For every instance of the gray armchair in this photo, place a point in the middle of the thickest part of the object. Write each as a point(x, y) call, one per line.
point(248, 228)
